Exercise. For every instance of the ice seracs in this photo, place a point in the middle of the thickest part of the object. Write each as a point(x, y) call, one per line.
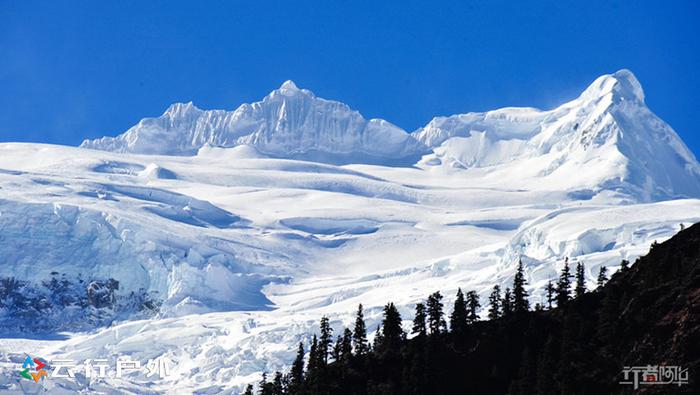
point(246, 246)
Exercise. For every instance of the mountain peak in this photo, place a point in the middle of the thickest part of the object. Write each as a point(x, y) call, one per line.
point(289, 122)
point(290, 85)
point(179, 109)
point(621, 84)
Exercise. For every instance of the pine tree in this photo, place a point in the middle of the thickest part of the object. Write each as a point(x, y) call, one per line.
point(392, 333)
point(312, 369)
point(297, 372)
point(495, 303)
point(624, 265)
point(419, 321)
point(458, 318)
point(346, 346)
point(335, 354)
point(277, 385)
point(436, 320)
point(473, 306)
point(507, 303)
point(378, 339)
point(538, 306)
point(550, 294)
point(564, 285)
point(324, 341)
point(520, 301)
point(316, 375)
point(602, 276)
point(248, 390)
point(359, 334)
point(264, 387)
point(580, 288)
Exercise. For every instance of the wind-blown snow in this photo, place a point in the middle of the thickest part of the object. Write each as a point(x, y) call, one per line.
point(247, 246)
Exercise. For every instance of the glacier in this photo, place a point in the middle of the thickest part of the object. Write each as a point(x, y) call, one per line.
point(248, 225)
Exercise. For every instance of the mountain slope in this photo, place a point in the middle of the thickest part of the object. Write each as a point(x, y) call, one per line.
point(646, 315)
point(221, 223)
point(259, 248)
point(289, 122)
point(606, 139)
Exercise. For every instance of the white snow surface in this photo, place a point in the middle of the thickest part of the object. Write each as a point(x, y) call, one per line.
point(249, 246)
point(289, 122)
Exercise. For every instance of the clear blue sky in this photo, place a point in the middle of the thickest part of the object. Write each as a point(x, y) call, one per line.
point(73, 70)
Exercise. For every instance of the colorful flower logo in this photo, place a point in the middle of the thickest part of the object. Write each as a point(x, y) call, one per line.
point(35, 364)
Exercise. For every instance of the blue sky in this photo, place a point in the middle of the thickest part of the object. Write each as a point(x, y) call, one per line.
point(73, 70)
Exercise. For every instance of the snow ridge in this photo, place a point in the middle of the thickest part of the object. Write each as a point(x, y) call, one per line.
point(240, 247)
point(607, 138)
point(289, 122)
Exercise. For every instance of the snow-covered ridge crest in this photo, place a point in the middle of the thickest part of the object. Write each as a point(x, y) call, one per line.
point(289, 122)
point(607, 138)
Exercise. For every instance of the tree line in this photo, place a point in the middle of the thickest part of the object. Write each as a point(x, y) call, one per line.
point(393, 364)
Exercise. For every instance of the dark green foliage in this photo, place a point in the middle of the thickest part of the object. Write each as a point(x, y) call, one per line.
point(564, 285)
point(378, 338)
point(359, 334)
point(578, 348)
point(550, 292)
point(624, 264)
point(297, 372)
point(495, 303)
point(335, 352)
point(580, 288)
point(473, 306)
point(324, 340)
point(458, 318)
point(313, 371)
point(392, 334)
point(602, 276)
point(265, 387)
point(248, 390)
point(436, 317)
point(507, 303)
point(420, 321)
point(278, 385)
point(520, 301)
point(346, 346)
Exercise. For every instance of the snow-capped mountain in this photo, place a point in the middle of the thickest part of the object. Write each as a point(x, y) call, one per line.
point(289, 122)
point(202, 236)
point(607, 138)
point(604, 140)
